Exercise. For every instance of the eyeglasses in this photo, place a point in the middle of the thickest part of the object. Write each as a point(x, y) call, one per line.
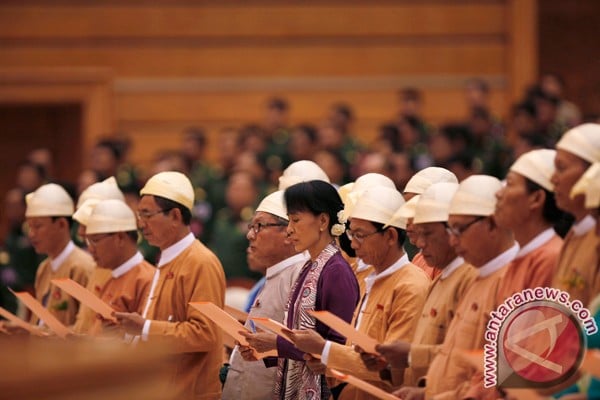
point(94, 241)
point(260, 225)
point(146, 215)
point(459, 230)
point(358, 236)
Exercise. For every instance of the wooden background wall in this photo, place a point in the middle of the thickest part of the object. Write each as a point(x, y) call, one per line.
point(179, 63)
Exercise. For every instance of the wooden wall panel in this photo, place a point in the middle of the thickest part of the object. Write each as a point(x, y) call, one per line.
point(178, 63)
point(209, 21)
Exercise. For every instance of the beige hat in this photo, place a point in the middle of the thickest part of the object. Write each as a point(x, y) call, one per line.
point(302, 171)
point(274, 204)
point(538, 166)
point(377, 204)
point(107, 189)
point(428, 176)
point(83, 212)
point(345, 190)
point(49, 200)
point(589, 185)
point(434, 203)
point(171, 185)
point(476, 195)
point(110, 216)
point(582, 141)
point(363, 183)
point(404, 213)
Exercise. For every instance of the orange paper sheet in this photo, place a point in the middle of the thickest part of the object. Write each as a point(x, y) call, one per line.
point(473, 357)
point(273, 326)
point(364, 386)
point(42, 313)
point(86, 297)
point(237, 314)
point(591, 363)
point(34, 330)
point(366, 342)
point(227, 323)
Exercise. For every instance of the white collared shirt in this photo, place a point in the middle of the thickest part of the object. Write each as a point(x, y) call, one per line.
point(361, 265)
point(171, 252)
point(453, 266)
point(584, 226)
point(127, 265)
point(370, 281)
point(499, 261)
point(55, 263)
point(288, 262)
point(536, 242)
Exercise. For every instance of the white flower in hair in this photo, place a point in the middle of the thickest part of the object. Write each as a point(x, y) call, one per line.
point(337, 229)
point(341, 216)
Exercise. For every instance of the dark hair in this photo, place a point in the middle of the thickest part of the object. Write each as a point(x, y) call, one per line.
point(310, 131)
point(550, 212)
point(401, 232)
point(346, 244)
point(196, 134)
point(167, 204)
point(111, 146)
point(69, 220)
point(133, 235)
point(526, 106)
point(344, 110)
point(278, 103)
point(315, 197)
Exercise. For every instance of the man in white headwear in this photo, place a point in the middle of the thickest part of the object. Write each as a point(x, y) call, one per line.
point(270, 253)
point(489, 248)
point(301, 171)
point(578, 265)
point(447, 289)
point(526, 206)
point(48, 216)
point(88, 199)
point(111, 236)
point(394, 292)
point(415, 187)
point(186, 272)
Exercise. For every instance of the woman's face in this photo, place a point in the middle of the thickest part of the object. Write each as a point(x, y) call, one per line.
point(305, 230)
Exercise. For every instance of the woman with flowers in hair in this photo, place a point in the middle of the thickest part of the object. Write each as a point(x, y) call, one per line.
point(326, 282)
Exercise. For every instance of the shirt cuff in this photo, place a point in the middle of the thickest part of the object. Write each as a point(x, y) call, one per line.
point(325, 353)
point(146, 330)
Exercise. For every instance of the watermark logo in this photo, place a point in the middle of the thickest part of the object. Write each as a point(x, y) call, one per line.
point(536, 338)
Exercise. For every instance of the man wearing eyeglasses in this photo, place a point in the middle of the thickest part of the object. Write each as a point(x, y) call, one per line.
point(111, 237)
point(270, 253)
point(186, 272)
point(477, 238)
point(48, 216)
point(445, 292)
point(394, 292)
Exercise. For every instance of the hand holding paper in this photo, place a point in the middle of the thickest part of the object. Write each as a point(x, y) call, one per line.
point(336, 323)
point(34, 330)
point(43, 314)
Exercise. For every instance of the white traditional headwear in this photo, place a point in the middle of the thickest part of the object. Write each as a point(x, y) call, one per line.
point(344, 191)
point(538, 166)
point(363, 183)
point(107, 189)
point(171, 185)
point(302, 171)
point(434, 203)
point(589, 185)
point(378, 204)
point(428, 176)
point(476, 195)
point(582, 141)
point(49, 200)
point(110, 216)
point(274, 204)
point(405, 212)
point(84, 210)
